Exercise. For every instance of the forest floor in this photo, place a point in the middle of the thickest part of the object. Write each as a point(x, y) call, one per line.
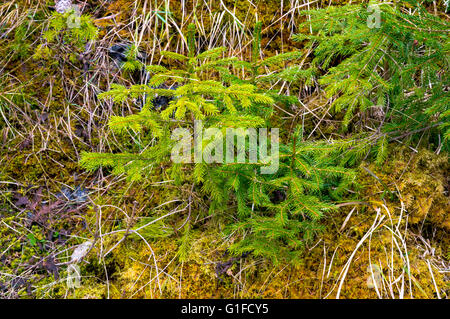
point(51, 209)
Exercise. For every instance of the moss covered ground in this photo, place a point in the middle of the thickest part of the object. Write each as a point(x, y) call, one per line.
point(397, 219)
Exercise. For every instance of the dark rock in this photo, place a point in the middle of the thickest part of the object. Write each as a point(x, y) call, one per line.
point(78, 195)
point(278, 196)
point(161, 102)
point(119, 52)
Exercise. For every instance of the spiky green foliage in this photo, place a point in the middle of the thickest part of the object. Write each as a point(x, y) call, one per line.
point(398, 68)
point(308, 178)
point(278, 214)
point(196, 97)
point(276, 63)
point(71, 29)
point(266, 72)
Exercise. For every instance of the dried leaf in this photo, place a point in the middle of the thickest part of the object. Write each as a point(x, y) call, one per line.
point(49, 265)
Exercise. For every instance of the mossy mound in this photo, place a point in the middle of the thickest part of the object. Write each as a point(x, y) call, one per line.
point(410, 265)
